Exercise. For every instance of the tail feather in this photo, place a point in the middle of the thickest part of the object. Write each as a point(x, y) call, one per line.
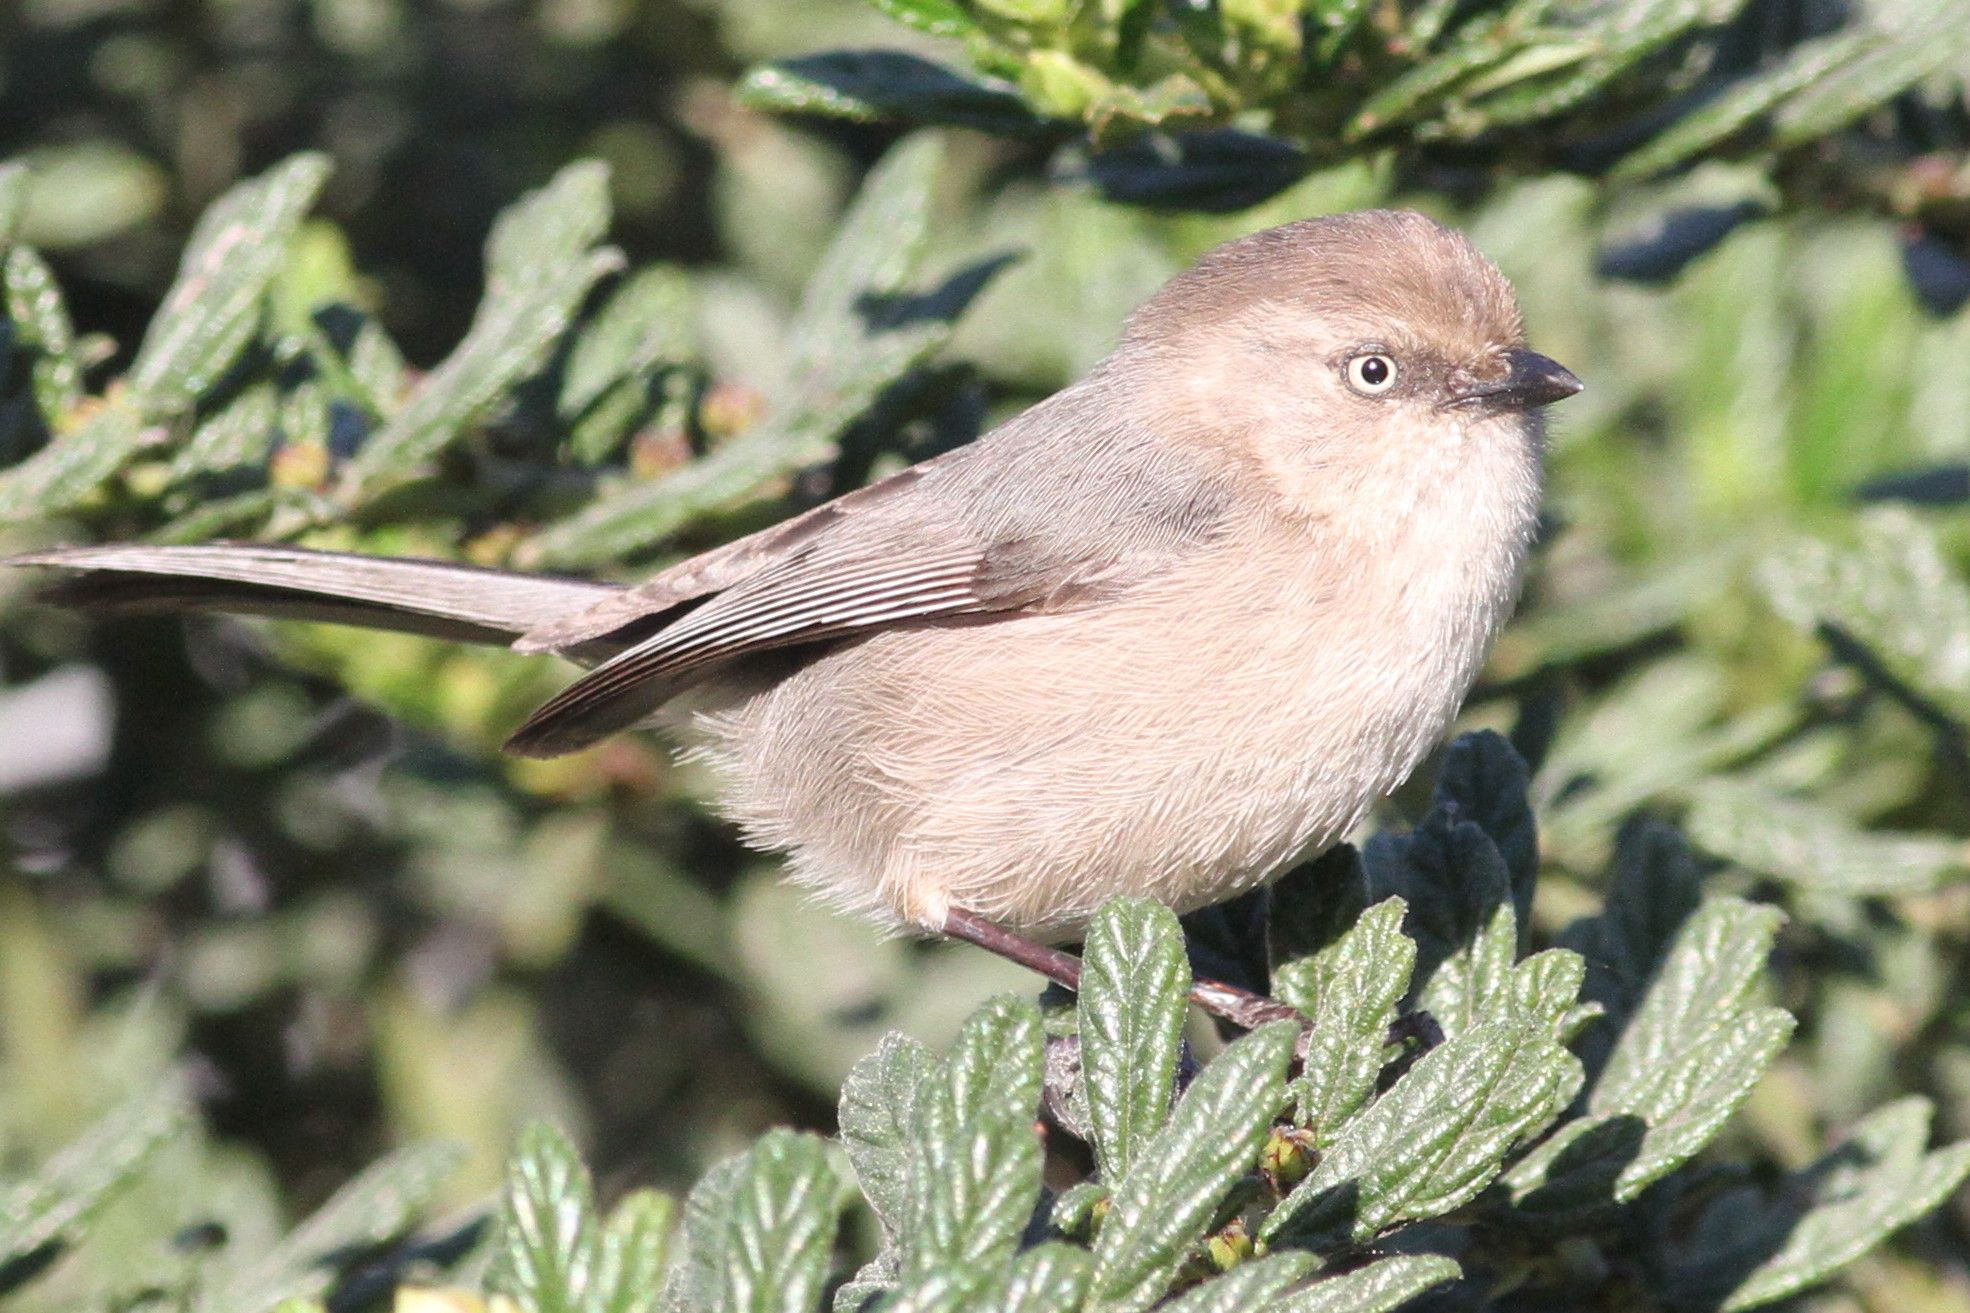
point(439, 598)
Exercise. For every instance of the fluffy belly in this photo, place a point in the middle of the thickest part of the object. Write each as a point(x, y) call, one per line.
point(1029, 769)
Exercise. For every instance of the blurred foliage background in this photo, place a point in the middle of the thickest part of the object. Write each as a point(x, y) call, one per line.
point(286, 864)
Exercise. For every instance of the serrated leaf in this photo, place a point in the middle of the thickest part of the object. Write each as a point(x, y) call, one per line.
point(1385, 1284)
point(1134, 980)
point(873, 86)
point(871, 1281)
point(1746, 1253)
point(1163, 1207)
point(215, 305)
point(696, 1283)
point(780, 1228)
point(41, 325)
point(1814, 848)
point(1483, 780)
point(381, 1203)
point(1741, 105)
point(1689, 1056)
point(541, 260)
point(61, 1196)
point(1314, 904)
point(1894, 594)
point(1049, 1278)
point(1350, 990)
point(937, 17)
point(974, 1162)
point(878, 1105)
point(548, 1252)
point(858, 333)
point(240, 434)
point(1246, 1287)
point(1436, 1139)
point(1921, 45)
point(65, 473)
point(1460, 898)
point(635, 1249)
point(645, 322)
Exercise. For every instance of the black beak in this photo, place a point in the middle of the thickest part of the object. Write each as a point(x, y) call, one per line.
point(1532, 380)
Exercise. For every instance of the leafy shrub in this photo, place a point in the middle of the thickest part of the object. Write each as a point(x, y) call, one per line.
point(1459, 1112)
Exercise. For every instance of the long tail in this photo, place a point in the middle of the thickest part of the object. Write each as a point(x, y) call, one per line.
point(461, 602)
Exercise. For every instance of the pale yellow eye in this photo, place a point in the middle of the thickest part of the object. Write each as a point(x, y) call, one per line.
point(1371, 374)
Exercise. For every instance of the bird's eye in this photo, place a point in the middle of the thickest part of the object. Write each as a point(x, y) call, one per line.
point(1371, 374)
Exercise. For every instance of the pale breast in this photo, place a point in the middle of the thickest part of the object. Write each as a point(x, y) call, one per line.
point(1181, 743)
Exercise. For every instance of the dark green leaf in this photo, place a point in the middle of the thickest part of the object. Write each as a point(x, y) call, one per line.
point(1434, 1140)
point(1050, 1278)
point(1350, 990)
point(1163, 1207)
point(696, 1283)
point(1134, 981)
point(548, 1250)
point(870, 86)
point(780, 1228)
point(41, 327)
point(1384, 1284)
point(214, 307)
point(878, 1105)
point(541, 260)
point(65, 473)
point(66, 1191)
point(1814, 848)
point(1246, 1287)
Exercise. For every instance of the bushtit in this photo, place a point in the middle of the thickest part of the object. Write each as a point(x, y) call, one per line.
point(1167, 631)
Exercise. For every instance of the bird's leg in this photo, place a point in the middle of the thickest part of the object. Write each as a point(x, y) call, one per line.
point(1240, 1007)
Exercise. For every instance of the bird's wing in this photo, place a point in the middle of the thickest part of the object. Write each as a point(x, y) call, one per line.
point(903, 552)
point(647, 603)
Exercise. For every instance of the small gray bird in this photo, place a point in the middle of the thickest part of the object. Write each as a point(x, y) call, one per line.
point(1174, 627)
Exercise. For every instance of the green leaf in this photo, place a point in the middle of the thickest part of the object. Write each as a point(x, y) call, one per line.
point(859, 331)
point(1049, 1278)
point(1246, 1287)
point(877, 1110)
point(1921, 44)
point(13, 202)
point(696, 1282)
point(1179, 1180)
point(1814, 848)
point(548, 1251)
point(1350, 990)
point(1894, 594)
point(876, 1278)
point(1483, 780)
point(383, 1201)
point(1460, 898)
point(1134, 981)
point(780, 1229)
point(645, 322)
point(1436, 1139)
point(937, 17)
point(876, 86)
point(1746, 1252)
point(541, 260)
point(54, 1203)
point(1314, 904)
point(1384, 1284)
point(41, 327)
point(635, 1248)
point(1690, 1055)
point(69, 470)
point(240, 434)
point(216, 303)
point(1742, 104)
point(974, 1165)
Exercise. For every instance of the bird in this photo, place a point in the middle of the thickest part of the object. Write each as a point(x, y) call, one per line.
point(1164, 634)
